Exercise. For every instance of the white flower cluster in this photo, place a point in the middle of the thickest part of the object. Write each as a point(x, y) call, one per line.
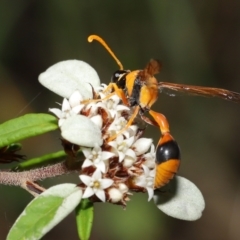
point(122, 158)
point(112, 170)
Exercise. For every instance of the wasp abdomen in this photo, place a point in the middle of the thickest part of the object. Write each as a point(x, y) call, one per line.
point(167, 162)
point(166, 151)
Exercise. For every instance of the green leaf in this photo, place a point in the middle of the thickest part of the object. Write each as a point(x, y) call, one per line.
point(180, 199)
point(39, 161)
point(26, 126)
point(45, 212)
point(84, 218)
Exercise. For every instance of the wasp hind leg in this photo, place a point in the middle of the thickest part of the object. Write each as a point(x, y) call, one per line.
point(167, 152)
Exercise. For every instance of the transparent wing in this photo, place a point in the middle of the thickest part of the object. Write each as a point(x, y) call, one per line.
point(170, 88)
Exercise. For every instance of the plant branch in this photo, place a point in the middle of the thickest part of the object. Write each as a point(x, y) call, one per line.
point(26, 179)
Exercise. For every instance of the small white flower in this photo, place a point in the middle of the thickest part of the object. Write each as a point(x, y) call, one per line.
point(117, 125)
point(123, 187)
point(96, 157)
point(95, 185)
point(131, 131)
point(122, 146)
point(75, 99)
point(150, 158)
point(94, 106)
point(115, 195)
point(146, 180)
point(113, 106)
point(142, 145)
point(129, 159)
point(69, 108)
point(110, 104)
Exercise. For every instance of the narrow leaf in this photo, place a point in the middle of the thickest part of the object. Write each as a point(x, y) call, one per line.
point(39, 161)
point(84, 217)
point(45, 212)
point(26, 126)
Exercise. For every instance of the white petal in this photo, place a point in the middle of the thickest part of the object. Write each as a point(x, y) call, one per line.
point(65, 77)
point(130, 153)
point(88, 192)
point(142, 145)
point(129, 141)
point(97, 120)
point(128, 162)
point(127, 134)
point(56, 111)
point(85, 179)
point(133, 130)
point(77, 108)
point(121, 156)
point(87, 163)
point(150, 193)
point(86, 151)
point(141, 181)
point(105, 183)
point(101, 166)
point(150, 162)
point(106, 155)
point(101, 195)
point(82, 131)
point(75, 98)
point(113, 144)
point(65, 105)
point(119, 139)
point(61, 121)
point(146, 170)
point(97, 175)
point(182, 200)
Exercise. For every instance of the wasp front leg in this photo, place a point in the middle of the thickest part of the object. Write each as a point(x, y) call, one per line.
point(115, 90)
point(167, 152)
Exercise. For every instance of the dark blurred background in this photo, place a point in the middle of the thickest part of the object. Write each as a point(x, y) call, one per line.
point(198, 43)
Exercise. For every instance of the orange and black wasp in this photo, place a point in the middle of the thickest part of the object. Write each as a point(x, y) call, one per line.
point(139, 90)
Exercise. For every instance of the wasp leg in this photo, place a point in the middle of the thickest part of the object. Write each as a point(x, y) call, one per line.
point(167, 152)
point(149, 121)
point(129, 123)
point(118, 91)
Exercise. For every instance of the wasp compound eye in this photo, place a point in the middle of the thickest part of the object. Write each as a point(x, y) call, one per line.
point(119, 78)
point(118, 75)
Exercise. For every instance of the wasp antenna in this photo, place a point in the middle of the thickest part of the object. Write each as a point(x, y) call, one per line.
point(100, 40)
